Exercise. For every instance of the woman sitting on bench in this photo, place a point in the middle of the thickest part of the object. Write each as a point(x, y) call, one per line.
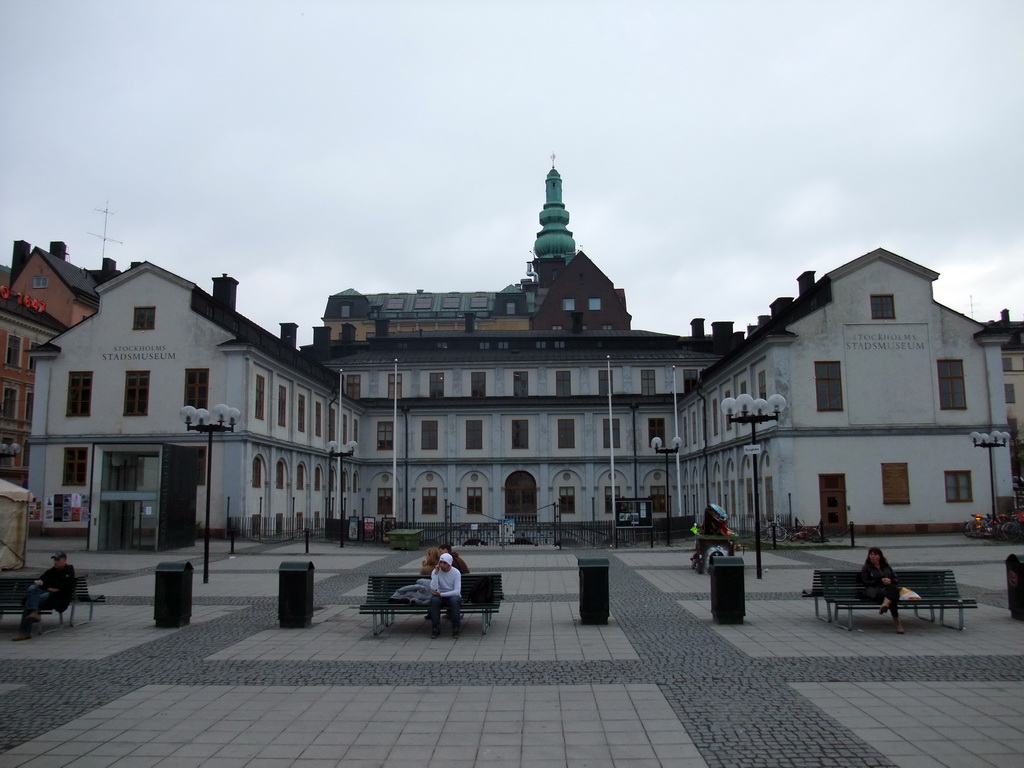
point(882, 585)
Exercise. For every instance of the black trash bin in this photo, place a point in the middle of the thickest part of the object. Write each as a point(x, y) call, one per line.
point(727, 599)
point(295, 594)
point(593, 590)
point(172, 601)
point(1015, 586)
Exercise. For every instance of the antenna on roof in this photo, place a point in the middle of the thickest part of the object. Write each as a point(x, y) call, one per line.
point(107, 213)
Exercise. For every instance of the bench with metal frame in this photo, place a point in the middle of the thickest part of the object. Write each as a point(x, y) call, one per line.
point(379, 590)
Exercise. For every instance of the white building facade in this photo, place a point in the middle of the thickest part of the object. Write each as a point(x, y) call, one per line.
point(884, 387)
point(106, 441)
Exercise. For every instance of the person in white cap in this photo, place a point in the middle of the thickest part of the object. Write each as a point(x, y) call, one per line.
point(445, 590)
point(53, 590)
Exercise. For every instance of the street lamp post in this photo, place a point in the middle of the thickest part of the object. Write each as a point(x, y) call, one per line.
point(222, 419)
point(746, 410)
point(656, 443)
point(339, 452)
point(995, 440)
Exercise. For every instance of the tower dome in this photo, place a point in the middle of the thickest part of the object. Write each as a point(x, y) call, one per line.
point(554, 240)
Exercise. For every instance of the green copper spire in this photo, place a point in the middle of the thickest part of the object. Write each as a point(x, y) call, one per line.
point(554, 240)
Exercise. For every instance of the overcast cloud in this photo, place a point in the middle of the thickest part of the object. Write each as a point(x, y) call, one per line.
point(710, 152)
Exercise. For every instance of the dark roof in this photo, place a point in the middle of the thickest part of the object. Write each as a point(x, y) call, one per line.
point(80, 281)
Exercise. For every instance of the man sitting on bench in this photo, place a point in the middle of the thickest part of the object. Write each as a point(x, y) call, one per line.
point(445, 589)
point(53, 591)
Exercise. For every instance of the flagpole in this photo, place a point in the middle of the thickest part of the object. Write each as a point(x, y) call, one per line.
point(341, 442)
point(611, 439)
point(394, 445)
point(675, 417)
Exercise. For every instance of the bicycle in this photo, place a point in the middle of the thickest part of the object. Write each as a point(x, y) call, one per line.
point(813, 533)
point(781, 533)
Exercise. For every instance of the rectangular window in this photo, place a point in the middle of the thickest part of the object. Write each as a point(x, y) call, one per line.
point(474, 434)
point(318, 418)
point(14, 351)
point(563, 383)
point(394, 386)
point(952, 393)
point(567, 500)
point(201, 465)
point(428, 435)
point(510, 307)
point(385, 435)
point(647, 386)
point(655, 428)
point(658, 499)
point(144, 319)
point(478, 384)
point(75, 465)
point(608, 498)
point(436, 385)
point(353, 386)
point(520, 433)
point(883, 307)
point(566, 433)
point(691, 377)
point(1007, 363)
point(568, 304)
point(615, 432)
point(828, 386)
point(594, 304)
point(520, 383)
point(474, 501)
point(895, 484)
point(958, 487)
point(429, 501)
point(1010, 394)
point(261, 396)
point(197, 386)
point(79, 393)
point(344, 428)
point(10, 404)
point(282, 405)
point(384, 505)
point(762, 386)
point(301, 426)
point(605, 382)
point(332, 425)
point(136, 393)
point(40, 281)
point(714, 416)
point(29, 403)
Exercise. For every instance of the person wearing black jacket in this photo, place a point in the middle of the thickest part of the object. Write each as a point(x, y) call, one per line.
point(53, 590)
point(881, 584)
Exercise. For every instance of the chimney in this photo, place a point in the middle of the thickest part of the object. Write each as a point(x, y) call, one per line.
point(19, 258)
point(737, 338)
point(751, 329)
point(289, 331)
point(381, 327)
point(805, 281)
point(697, 328)
point(322, 342)
point(762, 319)
point(59, 249)
point(470, 322)
point(721, 337)
point(577, 322)
point(1004, 316)
point(225, 289)
point(780, 305)
point(109, 266)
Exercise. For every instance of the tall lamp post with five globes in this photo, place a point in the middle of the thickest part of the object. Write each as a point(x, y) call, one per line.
point(995, 440)
point(222, 419)
point(746, 410)
point(656, 443)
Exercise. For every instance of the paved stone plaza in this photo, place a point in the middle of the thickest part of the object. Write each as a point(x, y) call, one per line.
point(661, 685)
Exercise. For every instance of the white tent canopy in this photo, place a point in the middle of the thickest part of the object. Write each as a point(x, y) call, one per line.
point(13, 525)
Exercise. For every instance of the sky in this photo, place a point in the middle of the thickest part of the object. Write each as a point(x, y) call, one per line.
point(710, 152)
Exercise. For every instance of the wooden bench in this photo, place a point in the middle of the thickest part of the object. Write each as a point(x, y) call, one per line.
point(379, 590)
point(12, 593)
point(817, 593)
point(843, 591)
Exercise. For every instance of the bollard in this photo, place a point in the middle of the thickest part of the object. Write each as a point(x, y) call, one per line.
point(307, 541)
point(853, 539)
point(232, 540)
point(172, 599)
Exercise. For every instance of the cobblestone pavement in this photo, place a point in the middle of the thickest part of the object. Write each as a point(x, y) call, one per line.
point(662, 684)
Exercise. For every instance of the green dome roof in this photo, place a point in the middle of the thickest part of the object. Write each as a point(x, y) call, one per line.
point(554, 240)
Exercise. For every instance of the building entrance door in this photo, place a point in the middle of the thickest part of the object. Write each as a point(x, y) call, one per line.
point(832, 496)
point(129, 513)
point(127, 525)
point(521, 496)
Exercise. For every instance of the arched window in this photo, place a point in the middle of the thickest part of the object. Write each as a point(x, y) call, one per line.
point(280, 474)
point(318, 479)
point(334, 479)
point(257, 472)
point(300, 477)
